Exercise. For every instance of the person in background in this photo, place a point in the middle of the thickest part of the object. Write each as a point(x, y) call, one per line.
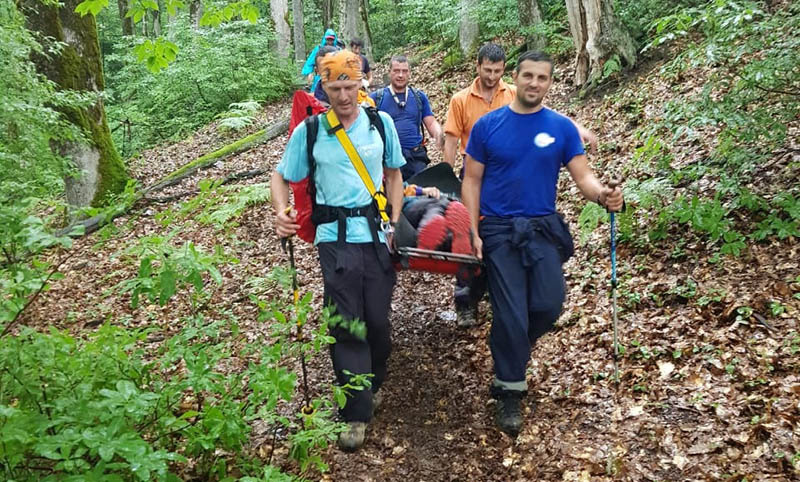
point(411, 111)
point(319, 92)
point(357, 45)
point(309, 68)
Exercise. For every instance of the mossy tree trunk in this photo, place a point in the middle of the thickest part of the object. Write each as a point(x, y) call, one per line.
point(327, 7)
point(598, 36)
point(349, 13)
point(78, 67)
point(127, 22)
point(196, 13)
point(364, 27)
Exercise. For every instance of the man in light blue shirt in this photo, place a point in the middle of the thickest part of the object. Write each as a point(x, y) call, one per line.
point(357, 274)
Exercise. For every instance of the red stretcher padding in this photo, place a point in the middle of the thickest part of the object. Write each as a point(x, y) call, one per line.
point(436, 262)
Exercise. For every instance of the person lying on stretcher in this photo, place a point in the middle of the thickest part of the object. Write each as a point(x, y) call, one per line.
point(441, 223)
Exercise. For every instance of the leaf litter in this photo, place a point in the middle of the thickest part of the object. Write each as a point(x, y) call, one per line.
point(704, 392)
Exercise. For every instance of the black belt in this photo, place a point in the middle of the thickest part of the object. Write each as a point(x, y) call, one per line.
point(327, 214)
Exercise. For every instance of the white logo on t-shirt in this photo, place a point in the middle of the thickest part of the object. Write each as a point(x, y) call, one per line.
point(543, 139)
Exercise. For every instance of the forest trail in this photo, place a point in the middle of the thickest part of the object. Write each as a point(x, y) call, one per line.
point(707, 391)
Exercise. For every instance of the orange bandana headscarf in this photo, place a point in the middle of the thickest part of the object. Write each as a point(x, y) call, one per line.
point(341, 65)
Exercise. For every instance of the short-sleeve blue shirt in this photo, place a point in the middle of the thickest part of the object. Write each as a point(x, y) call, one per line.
point(337, 181)
point(522, 155)
point(406, 119)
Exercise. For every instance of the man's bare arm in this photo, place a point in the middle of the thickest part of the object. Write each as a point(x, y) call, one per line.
point(471, 195)
point(591, 187)
point(450, 149)
point(394, 191)
point(285, 223)
point(434, 129)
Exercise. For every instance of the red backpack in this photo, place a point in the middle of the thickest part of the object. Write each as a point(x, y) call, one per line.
point(304, 106)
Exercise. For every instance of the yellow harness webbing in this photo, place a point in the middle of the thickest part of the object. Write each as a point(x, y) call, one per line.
point(358, 164)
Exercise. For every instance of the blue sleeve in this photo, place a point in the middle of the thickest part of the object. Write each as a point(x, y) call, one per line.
point(572, 142)
point(394, 153)
point(308, 67)
point(476, 146)
point(426, 105)
point(294, 163)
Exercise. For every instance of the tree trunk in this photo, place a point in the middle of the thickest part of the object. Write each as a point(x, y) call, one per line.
point(299, 32)
point(327, 8)
point(157, 22)
point(127, 22)
point(598, 36)
point(531, 15)
point(196, 13)
point(349, 17)
point(279, 9)
point(367, 32)
point(78, 67)
point(467, 27)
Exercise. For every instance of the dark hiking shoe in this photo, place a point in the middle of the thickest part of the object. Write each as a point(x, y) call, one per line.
point(508, 414)
point(465, 317)
point(353, 438)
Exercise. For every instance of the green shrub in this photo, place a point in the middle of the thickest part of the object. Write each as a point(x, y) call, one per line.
point(214, 68)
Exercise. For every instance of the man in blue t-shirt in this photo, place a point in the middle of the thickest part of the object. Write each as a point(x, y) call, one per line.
point(357, 274)
point(514, 156)
point(410, 110)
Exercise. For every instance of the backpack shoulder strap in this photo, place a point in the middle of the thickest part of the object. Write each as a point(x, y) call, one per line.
point(312, 127)
point(376, 122)
point(418, 98)
point(379, 97)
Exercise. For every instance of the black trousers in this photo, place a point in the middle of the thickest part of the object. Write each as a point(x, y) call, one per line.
point(361, 290)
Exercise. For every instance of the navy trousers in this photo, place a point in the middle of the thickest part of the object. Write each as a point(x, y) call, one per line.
point(361, 289)
point(523, 259)
point(416, 161)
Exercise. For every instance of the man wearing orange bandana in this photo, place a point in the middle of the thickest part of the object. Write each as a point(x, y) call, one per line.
point(354, 256)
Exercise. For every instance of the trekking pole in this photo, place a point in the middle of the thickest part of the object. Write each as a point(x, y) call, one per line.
point(613, 184)
point(307, 409)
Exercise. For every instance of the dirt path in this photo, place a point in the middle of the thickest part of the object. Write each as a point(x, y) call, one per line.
point(703, 394)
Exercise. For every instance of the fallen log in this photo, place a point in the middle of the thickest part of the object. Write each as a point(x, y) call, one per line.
point(94, 223)
point(242, 145)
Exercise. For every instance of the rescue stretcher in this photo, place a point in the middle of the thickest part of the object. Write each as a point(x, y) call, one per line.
point(406, 255)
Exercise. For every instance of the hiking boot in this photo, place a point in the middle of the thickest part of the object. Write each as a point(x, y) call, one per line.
point(508, 413)
point(465, 317)
point(433, 233)
point(353, 438)
point(457, 218)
